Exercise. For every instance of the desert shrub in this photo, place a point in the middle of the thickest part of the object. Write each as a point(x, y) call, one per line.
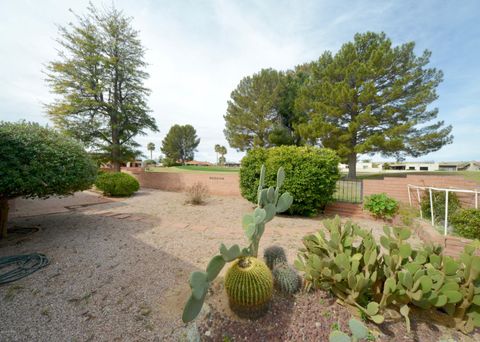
point(438, 198)
point(311, 172)
point(466, 223)
point(40, 162)
point(350, 263)
point(381, 206)
point(117, 184)
point(197, 193)
point(407, 214)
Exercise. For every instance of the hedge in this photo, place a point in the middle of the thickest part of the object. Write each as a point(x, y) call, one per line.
point(117, 184)
point(466, 223)
point(311, 175)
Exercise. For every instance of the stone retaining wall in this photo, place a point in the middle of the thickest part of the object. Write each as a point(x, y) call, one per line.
point(218, 183)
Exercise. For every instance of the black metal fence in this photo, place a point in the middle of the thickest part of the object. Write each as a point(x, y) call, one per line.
point(350, 191)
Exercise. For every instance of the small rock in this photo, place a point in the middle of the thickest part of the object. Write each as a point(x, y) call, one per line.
point(317, 324)
point(208, 333)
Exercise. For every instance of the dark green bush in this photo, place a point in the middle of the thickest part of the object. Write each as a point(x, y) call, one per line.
point(466, 223)
point(438, 198)
point(150, 162)
point(381, 206)
point(117, 184)
point(40, 162)
point(250, 172)
point(311, 175)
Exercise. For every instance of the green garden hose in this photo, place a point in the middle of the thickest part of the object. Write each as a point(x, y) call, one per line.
point(19, 266)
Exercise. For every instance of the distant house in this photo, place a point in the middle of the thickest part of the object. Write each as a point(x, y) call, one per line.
point(372, 167)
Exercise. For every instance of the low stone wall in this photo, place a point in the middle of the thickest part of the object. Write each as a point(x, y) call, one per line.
point(218, 183)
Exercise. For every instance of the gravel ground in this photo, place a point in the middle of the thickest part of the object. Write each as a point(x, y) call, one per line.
point(118, 271)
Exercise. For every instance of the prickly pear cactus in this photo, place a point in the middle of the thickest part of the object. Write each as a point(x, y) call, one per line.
point(249, 286)
point(274, 255)
point(286, 279)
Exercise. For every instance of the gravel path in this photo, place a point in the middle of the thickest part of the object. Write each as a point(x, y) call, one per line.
point(119, 270)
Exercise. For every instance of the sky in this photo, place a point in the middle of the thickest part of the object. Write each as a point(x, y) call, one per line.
point(198, 51)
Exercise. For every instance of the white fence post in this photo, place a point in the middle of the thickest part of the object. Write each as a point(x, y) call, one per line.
point(409, 198)
point(419, 203)
point(431, 206)
point(446, 213)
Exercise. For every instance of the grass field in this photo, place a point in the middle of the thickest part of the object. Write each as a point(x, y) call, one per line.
point(201, 169)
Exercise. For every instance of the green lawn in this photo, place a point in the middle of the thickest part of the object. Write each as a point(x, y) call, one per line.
point(200, 169)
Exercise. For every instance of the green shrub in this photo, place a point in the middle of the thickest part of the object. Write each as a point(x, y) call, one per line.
point(380, 205)
point(40, 162)
point(466, 223)
point(168, 162)
point(117, 184)
point(438, 198)
point(150, 162)
point(250, 173)
point(312, 174)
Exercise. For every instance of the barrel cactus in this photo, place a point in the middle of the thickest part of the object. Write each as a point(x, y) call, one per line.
point(249, 286)
point(286, 279)
point(274, 255)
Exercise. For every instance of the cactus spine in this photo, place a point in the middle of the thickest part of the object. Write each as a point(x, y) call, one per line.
point(286, 279)
point(249, 285)
point(274, 255)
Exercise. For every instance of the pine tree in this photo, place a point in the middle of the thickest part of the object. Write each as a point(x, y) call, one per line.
point(99, 78)
point(180, 143)
point(370, 98)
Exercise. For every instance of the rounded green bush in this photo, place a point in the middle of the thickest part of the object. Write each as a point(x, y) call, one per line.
point(311, 175)
point(117, 184)
point(380, 205)
point(438, 198)
point(466, 223)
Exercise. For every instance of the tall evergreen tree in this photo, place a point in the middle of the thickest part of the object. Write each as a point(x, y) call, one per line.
point(370, 98)
point(180, 143)
point(261, 111)
point(99, 79)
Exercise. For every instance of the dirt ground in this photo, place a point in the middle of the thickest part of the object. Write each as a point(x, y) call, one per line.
point(119, 269)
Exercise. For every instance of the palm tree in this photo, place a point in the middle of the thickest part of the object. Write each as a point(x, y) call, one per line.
point(223, 151)
point(151, 148)
point(217, 150)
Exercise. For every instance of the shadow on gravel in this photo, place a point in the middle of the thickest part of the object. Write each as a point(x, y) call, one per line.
point(107, 280)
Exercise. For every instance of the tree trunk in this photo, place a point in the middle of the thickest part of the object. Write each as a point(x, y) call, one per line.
point(151, 154)
point(352, 166)
point(116, 157)
point(3, 217)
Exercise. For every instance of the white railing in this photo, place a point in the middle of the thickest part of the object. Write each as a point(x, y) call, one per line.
point(447, 190)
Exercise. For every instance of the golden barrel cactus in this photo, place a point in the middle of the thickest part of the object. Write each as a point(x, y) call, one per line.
point(249, 285)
